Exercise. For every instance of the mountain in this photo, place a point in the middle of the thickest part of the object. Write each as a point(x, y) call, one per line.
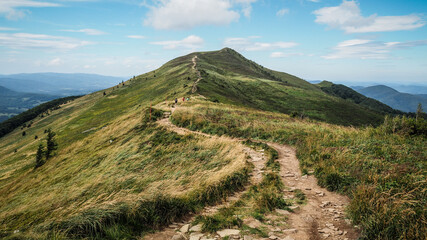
point(117, 172)
point(13, 103)
point(402, 101)
point(63, 84)
point(349, 94)
point(228, 77)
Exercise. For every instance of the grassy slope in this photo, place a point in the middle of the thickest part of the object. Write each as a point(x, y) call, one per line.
point(230, 78)
point(107, 155)
point(383, 173)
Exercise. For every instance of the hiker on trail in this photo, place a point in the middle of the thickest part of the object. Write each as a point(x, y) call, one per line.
point(183, 99)
point(188, 99)
point(176, 100)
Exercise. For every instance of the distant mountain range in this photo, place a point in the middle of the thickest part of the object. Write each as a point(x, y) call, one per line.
point(20, 92)
point(13, 103)
point(402, 101)
point(60, 84)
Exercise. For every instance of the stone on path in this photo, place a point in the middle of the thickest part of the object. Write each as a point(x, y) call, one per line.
point(178, 237)
point(228, 232)
point(184, 229)
point(196, 236)
point(196, 228)
point(290, 231)
point(282, 212)
point(248, 238)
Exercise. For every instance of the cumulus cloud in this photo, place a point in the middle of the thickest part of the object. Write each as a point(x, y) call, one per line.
point(55, 62)
point(136, 36)
point(282, 12)
point(190, 42)
point(348, 17)
point(12, 9)
point(247, 44)
point(186, 14)
point(87, 31)
point(283, 54)
point(369, 49)
point(7, 29)
point(39, 41)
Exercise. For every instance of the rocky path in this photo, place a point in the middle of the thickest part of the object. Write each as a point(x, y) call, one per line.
point(322, 217)
point(199, 76)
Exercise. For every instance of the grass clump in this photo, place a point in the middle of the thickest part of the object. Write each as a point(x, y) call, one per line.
point(224, 218)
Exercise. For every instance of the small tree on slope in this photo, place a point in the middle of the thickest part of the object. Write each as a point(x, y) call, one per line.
point(39, 156)
point(51, 143)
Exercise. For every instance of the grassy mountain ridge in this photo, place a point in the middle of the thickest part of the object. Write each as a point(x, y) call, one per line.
point(230, 78)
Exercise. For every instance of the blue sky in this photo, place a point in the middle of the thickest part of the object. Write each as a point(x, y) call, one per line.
point(383, 41)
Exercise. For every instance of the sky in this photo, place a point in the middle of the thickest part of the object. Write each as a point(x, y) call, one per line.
point(382, 41)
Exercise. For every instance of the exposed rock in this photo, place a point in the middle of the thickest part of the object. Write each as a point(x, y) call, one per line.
point(288, 238)
point(228, 232)
point(294, 207)
point(304, 177)
point(289, 175)
point(196, 228)
point(248, 238)
point(196, 236)
point(272, 237)
point(184, 229)
point(178, 237)
point(290, 231)
point(282, 212)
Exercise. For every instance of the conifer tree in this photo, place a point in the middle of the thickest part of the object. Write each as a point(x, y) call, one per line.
point(39, 156)
point(51, 143)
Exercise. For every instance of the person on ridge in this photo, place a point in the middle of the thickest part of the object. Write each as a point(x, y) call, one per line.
point(183, 99)
point(176, 100)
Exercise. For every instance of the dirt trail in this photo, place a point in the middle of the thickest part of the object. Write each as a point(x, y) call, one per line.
point(199, 76)
point(323, 215)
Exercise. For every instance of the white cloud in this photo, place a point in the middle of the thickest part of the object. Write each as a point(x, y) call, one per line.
point(282, 12)
point(369, 49)
point(348, 17)
point(246, 44)
point(186, 14)
point(7, 29)
point(136, 36)
point(283, 54)
point(87, 31)
point(55, 62)
point(39, 41)
point(190, 42)
point(11, 8)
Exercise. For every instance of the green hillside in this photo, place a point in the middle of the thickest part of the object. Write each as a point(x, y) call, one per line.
point(112, 164)
point(228, 77)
